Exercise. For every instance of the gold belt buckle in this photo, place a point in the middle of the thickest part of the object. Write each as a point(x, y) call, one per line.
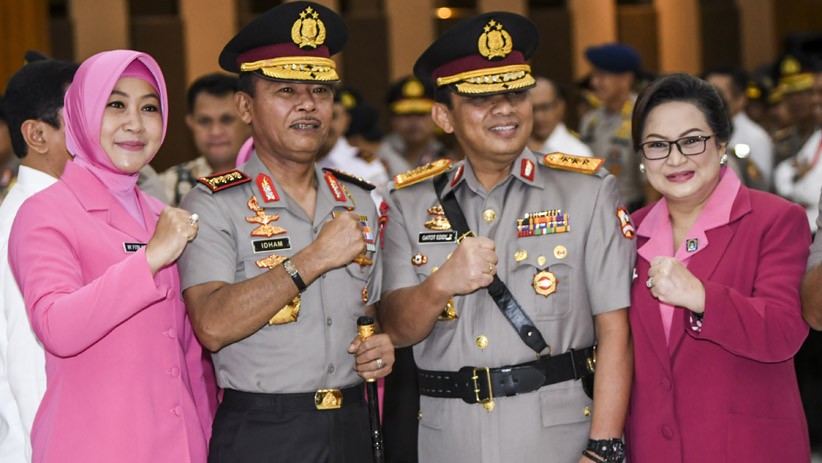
point(488, 403)
point(328, 399)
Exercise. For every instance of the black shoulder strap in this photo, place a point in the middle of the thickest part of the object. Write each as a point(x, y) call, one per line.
point(500, 293)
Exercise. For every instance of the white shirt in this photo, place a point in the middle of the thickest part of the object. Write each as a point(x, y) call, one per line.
point(562, 140)
point(344, 157)
point(22, 361)
point(750, 133)
point(805, 190)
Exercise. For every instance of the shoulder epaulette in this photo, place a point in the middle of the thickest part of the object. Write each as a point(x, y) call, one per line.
point(570, 162)
point(421, 173)
point(224, 180)
point(350, 178)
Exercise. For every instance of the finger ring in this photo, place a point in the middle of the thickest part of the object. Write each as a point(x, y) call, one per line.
point(193, 219)
point(379, 364)
point(649, 282)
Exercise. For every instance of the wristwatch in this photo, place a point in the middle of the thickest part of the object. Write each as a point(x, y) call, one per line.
point(294, 274)
point(606, 450)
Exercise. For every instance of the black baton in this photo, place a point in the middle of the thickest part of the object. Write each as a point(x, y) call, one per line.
point(365, 328)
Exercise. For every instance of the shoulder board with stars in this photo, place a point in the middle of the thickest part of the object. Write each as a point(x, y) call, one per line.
point(573, 163)
point(224, 180)
point(421, 173)
point(350, 178)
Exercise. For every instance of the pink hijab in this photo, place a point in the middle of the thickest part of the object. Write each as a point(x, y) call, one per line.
point(85, 102)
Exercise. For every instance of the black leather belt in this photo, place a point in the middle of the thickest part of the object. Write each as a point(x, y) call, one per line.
point(481, 384)
point(302, 401)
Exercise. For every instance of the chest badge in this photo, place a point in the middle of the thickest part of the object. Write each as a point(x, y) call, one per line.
point(560, 252)
point(692, 245)
point(263, 220)
point(545, 283)
point(267, 189)
point(419, 259)
point(439, 221)
point(289, 313)
point(520, 255)
point(543, 223)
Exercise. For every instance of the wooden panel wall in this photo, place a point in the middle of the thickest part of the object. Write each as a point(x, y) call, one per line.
point(23, 26)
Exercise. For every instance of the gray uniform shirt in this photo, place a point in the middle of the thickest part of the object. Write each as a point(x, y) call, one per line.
point(301, 356)
point(593, 265)
point(609, 136)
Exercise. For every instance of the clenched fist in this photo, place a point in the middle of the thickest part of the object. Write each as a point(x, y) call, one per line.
point(175, 228)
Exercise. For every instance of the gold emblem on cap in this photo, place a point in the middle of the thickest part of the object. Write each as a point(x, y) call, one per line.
point(309, 30)
point(560, 252)
point(347, 99)
point(489, 215)
point(413, 89)
point(495, 42)
point(790, 65)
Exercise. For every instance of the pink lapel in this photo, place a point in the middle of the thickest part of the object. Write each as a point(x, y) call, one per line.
point(718, 231)
point(652, 241)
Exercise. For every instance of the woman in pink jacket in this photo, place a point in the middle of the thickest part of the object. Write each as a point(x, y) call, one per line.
point(95, 259)
point(715, 310)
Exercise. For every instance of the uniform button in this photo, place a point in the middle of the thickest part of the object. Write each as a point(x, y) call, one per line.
point(419, 415)
point(665, 383)
point(586, 411)
point(174, 372)
point(328, 321)
point(667, 432)
point(170, 333)
point(177, 411)
point(482, 342)
point(315, 229)
point(331, 368)
point(489, 215)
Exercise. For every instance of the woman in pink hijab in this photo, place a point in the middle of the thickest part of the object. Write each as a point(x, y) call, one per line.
point(95, 259)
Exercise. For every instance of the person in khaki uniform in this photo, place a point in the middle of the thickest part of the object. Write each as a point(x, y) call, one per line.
point(286, 259)
point(554, 231)
point(607, 129)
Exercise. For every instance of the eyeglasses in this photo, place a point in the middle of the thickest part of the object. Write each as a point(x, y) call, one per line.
point(661, 149)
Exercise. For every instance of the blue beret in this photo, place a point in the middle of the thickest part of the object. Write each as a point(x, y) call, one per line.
point(614, 57)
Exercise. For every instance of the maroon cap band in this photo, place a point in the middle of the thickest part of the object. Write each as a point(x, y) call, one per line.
point(474, 62)
point(280, 50)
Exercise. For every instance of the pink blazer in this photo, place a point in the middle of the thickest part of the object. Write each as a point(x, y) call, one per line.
point(729, 392)
point(126, 378)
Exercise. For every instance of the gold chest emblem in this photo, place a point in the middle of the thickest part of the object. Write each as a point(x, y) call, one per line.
point(309, 30)
point(263, 220)
point(495, 42)
point(439, 222)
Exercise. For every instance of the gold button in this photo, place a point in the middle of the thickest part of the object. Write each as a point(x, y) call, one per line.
point(489, 215)
point(541, 260)
point(520, 255)
point(587, 411)
point(482, 342)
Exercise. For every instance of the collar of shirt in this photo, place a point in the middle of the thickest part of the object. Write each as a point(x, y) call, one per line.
point(717, 212)
point(525, 169)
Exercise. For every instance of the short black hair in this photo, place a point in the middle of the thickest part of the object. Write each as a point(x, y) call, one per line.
point(684, 88)
point(35, 92)
point(739, 78)
point(216, 84)
point(442, 94)
point(2, 109)
point(247, 82)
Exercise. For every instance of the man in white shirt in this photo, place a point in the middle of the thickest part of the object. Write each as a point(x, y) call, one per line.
point(33, 108)
point(747, 138)
point(549, 133)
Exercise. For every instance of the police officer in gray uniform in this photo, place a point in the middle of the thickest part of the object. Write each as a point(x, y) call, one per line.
point(286, 259)
point(552, 229)
point(607, 129)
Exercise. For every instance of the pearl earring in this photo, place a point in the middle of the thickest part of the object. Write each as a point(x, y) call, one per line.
point(723, 160)
point(642, 168)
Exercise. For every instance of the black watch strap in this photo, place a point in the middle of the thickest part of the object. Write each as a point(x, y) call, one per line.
point(295, 275)
point(608, 450)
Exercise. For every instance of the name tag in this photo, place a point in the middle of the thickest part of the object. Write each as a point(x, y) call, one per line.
point(132, 247)
point(438, 237)
point(273, 244)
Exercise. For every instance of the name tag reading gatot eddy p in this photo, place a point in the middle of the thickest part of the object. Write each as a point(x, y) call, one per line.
point(438, 237)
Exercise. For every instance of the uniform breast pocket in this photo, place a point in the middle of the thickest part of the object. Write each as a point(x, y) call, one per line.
point(541, 277)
